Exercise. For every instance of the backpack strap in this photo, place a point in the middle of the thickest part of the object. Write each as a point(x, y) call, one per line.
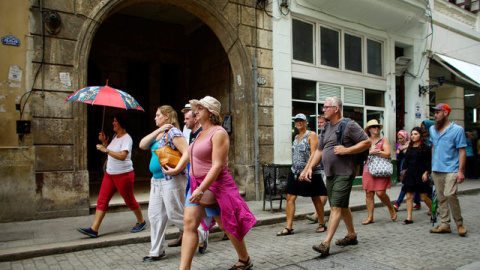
point(324, 129)
point(341, 129)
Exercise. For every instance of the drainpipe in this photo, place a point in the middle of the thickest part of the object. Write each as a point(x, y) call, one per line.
point(255, 109)
point(255, 116)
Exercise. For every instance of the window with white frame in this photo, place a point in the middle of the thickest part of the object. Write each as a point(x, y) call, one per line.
point(336, 48)
point(353, 52)
point(374, 57)
point(302, 41)
point(329, 47)
point(359, 104)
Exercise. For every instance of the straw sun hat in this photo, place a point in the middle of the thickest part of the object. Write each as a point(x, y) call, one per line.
point(208, 102)
point(372, 122)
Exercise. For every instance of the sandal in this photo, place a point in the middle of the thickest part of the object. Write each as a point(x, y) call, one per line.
point(289, 232)
point(321, 228)
point(406, 222)
point(368, 221)
point(322, 248)
point(245, 265)
point(394, 216)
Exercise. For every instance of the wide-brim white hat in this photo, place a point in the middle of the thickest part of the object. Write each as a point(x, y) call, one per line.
point(208, 102)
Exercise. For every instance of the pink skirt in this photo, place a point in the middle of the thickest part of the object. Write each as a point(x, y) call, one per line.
point(374, 183)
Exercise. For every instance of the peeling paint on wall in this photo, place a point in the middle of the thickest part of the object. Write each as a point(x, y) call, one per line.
point(240, 94)
point(239, 79)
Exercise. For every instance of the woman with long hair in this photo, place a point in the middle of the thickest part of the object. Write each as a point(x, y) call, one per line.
point(167, 192)
point(210, 179)
point(376, 185)
point(417, 165)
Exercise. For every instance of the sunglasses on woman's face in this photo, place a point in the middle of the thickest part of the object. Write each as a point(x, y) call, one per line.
point(374, 126)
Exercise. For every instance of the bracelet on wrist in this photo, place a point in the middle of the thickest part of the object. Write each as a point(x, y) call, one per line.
point(106, 151)
point(201, 192)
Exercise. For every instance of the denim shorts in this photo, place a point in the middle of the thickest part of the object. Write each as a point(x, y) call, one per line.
point(211, 212)
point(338, 190)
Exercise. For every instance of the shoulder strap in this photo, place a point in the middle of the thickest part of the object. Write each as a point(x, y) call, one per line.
point(324, 129)
point(341, 129)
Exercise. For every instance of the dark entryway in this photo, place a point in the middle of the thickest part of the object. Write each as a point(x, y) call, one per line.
point(160, 54)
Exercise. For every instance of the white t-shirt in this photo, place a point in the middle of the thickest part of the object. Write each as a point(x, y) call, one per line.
point(186, 133)
point(116, 166)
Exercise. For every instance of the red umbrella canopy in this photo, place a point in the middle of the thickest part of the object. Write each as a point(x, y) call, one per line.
point(106, 96)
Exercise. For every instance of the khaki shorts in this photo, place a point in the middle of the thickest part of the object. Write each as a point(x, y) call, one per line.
point(338, 190)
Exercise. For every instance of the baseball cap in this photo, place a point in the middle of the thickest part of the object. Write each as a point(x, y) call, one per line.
point(300, 116)
point(186, 108)
point(442, 107)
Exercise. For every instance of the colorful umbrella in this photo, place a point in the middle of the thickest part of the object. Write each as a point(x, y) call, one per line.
point(105, 96)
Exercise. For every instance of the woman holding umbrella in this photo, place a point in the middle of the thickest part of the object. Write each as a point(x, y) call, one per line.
point(119, 176)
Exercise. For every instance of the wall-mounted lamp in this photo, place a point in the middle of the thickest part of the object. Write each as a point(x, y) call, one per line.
point(53, 22)
point(426, 88)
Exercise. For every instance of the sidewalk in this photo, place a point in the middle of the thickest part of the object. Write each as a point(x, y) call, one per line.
point(21, 240)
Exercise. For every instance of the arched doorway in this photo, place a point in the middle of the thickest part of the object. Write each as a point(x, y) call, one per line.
point(164, 54)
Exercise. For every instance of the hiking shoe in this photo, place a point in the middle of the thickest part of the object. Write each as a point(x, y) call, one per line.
point(139, 227)
point(154, 258)
point(347, 240)
point(177, 242)
point(322, 248)
point(205, 243)
point(441, 229)
point(312, 218)
point(462, 230)
point(417, 206)
point(88, 231)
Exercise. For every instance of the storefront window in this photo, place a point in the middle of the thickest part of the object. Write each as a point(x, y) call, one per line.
point(472, 110)
point(303, 89)
point(374, 98)
point(308, 109)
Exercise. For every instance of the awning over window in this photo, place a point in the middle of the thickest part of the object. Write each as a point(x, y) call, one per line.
point(468, 72)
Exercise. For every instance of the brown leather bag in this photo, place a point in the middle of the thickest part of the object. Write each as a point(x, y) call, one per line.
point(168, 156)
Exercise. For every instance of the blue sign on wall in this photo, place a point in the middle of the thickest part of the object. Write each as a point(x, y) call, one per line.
point(10, 40)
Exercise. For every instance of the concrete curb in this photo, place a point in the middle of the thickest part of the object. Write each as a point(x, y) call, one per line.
point(22, 253)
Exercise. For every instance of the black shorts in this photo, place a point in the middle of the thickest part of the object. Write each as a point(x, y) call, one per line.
point(306, 189)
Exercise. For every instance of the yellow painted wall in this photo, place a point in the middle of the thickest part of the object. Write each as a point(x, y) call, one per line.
point(13, 21)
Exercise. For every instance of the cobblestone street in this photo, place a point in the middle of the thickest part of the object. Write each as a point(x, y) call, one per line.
point(382, 245)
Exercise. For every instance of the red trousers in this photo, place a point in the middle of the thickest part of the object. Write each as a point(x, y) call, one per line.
point(121, 182)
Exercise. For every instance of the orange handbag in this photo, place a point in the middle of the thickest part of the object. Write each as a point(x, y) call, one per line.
point(168, 156)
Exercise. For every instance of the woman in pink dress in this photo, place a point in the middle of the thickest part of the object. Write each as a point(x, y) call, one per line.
point(208, 157)
point(376, 185)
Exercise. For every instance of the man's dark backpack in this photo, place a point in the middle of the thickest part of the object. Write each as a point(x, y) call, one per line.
point(359, 158)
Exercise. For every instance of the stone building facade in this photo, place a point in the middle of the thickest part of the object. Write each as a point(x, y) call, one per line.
point(161, 52)
point(264, 60)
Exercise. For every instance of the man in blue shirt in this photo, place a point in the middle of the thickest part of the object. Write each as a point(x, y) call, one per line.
point(448, 164)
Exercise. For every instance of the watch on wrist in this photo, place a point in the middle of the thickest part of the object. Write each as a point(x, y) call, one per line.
point(106, 151)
